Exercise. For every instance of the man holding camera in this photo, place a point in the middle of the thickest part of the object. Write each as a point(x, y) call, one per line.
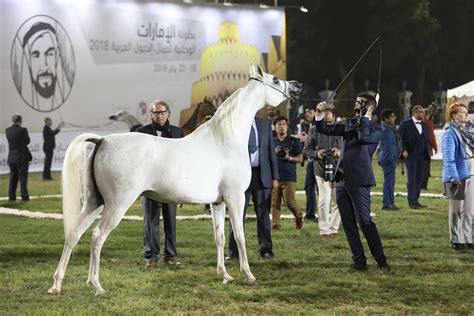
point(289, 153)
point(355, 176)
point(325, 150)
point(310, 186)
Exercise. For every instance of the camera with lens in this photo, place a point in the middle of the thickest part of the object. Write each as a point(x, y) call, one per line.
point(364, 106)
point(328, 165)
point(282, 152)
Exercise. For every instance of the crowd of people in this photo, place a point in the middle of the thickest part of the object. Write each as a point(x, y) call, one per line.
point(338, 157)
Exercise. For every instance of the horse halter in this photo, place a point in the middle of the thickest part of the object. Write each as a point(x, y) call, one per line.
point(293, 91)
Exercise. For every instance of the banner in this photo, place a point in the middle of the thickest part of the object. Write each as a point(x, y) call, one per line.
point(79, 62)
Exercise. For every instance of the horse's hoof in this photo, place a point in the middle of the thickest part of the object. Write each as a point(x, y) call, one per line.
point(99, 292)
point(54, 291)
point(252, 281)
point(227, 279)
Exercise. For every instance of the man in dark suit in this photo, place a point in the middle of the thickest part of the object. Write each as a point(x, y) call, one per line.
point(49, 143)
point(390, 148)
point(19, 157)
point(414, 135)
point(264, 177)
point(354, 176)
point(160, 126)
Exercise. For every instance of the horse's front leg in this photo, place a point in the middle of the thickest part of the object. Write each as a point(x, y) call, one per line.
point(236, 214)
point(218, 221)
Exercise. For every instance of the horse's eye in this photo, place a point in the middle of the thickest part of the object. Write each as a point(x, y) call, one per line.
point(276, 81)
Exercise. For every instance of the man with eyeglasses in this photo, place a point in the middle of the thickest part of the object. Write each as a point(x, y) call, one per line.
point(414, 135)
point(160, 126)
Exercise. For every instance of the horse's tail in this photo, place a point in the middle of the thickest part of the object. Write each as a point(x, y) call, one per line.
point(73, 176)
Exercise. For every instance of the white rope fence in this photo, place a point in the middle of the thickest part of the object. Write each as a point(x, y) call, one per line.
point(42, 215)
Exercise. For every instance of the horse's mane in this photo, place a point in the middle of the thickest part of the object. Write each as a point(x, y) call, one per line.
point(223, 121)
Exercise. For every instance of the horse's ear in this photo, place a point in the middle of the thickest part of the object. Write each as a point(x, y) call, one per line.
point(255, 71)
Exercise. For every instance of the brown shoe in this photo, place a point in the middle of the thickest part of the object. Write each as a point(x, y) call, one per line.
point(150, 265)
point(276, 228)
point(172, 261)
point(325, 236)
point(299, 223)
point(333, 235)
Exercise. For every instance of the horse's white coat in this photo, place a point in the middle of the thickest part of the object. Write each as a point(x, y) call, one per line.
point(211, 165)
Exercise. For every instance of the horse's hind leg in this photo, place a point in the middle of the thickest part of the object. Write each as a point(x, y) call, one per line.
point(86, 217)
point(111, 217)
point(236, 214)
point(218, 220)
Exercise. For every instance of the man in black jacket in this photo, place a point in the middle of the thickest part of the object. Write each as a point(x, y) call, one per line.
point(265, 176)
point(48, 146)
point(414, 135)
point(160, 126)
point(19, 157)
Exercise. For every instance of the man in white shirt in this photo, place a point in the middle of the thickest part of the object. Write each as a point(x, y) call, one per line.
point(414, 135)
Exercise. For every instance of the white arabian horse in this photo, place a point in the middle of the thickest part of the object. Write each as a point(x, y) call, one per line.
point(123, 116)
point(211, 165)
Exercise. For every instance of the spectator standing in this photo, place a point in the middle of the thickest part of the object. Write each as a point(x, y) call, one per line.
point(390, 150)
point(458, 147)
point(264, 177)
point(325, 150)
point(432, 148)
point(414, 135)
point(19, 157)
point(49, 143)
point(310, 186)
point(160, 126)
point(289, 153)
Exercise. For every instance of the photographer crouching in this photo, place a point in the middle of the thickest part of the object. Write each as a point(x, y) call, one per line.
point(325, 149)
point(289, 153)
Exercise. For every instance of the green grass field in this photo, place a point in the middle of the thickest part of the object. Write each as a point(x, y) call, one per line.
point(307, 276)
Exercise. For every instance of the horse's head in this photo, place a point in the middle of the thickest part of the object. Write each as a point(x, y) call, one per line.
point(119, 116)
point(276, 90)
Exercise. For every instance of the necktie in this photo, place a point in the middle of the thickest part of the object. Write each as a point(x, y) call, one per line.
point(252, 141)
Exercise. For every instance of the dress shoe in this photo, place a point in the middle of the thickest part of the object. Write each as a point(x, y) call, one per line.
point(469, 246)
point(150, 264)
point(385, 268)
point(48, 179)
point(276, 228)
point(229, 258)
point(266, 256)
point(172, 261)
point(390, 208)
point(420, 206)
point(458, 247)
point(299, 223)
point(358, 267)
point(325, 236)
point(333, 235)
point(25, 199)
point(311, 219)
point(414, 206)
